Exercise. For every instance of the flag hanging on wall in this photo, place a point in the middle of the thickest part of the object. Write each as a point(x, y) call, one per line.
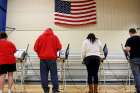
point(75, 12)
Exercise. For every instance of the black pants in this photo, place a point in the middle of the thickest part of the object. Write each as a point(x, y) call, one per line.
point(92, 69)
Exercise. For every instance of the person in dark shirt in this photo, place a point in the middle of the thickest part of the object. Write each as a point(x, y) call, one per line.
point(132, 47)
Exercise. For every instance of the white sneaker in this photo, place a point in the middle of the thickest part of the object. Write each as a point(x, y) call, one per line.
point(9, 91)
point(0, 91)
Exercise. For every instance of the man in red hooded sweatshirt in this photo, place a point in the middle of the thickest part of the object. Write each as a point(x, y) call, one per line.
point(46, 47)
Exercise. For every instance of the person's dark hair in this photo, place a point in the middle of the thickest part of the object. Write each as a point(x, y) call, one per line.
point(3, 35)
point(91, 37)
point(132, 30)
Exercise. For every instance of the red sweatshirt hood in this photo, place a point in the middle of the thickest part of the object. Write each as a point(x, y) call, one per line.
point(47, 45)
point(48, 31)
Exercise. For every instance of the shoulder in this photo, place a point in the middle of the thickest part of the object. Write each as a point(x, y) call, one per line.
point(138, 37)
point(98, 41)
point(10, 42)
point(5, 41)
point(55, 36)
point(129, 39)
point(85, 41)
point(133, 38)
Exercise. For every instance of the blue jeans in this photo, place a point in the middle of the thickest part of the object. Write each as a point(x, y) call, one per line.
point(136, 73)
point(45, 67)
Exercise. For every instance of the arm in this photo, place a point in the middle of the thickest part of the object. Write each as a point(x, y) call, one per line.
point(101, 49)
point(127, 46)
point(36, 45)
point(102, 54)
point(127, 49)
point(13, 47)
point(83, 50)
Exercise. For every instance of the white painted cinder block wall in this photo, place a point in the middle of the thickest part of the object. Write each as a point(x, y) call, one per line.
point(31, 17)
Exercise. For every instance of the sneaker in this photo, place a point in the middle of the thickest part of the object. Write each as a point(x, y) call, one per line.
point(9, 91)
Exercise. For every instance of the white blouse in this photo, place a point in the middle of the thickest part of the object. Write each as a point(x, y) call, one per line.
point(89, 48)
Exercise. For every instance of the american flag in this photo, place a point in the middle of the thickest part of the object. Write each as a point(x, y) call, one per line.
point(75, 12)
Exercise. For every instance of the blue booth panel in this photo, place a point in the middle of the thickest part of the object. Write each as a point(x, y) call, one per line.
point(2, 20)
point(3, 4)
point(3, 9)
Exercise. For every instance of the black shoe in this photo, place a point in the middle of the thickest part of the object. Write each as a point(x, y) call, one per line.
point(138, 92)
point(46, 89)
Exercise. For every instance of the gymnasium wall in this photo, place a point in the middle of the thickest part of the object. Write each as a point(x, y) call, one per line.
point(31, 17)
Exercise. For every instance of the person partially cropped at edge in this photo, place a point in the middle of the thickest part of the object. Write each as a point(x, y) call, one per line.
point(7, 61)
point(132, 47)
point(91, 53)
point(46, 46)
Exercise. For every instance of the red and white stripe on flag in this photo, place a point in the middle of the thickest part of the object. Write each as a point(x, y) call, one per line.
point(81, 12)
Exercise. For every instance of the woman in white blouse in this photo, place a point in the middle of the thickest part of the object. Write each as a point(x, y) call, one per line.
point(91, 52)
